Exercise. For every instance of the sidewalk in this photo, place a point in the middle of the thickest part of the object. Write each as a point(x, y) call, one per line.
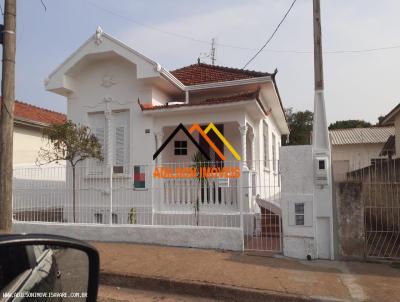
point(227, 273)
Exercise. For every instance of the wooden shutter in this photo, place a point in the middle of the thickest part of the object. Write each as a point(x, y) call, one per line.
point(121, 143)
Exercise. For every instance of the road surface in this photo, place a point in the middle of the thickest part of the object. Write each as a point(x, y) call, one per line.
point(116, 294)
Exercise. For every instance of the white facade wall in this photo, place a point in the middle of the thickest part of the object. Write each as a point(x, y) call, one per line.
point(198, 237)
point(89, 96)
point(298, 187)
point(346, 158)
point(27, 143)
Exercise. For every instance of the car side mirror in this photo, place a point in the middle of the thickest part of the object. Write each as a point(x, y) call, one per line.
point(47, 267)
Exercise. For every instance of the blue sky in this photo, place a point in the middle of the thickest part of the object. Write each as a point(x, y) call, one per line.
point(358, 85)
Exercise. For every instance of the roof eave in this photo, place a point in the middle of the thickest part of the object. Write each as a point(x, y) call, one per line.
point(388, 119)
point(32, 123)
point(257, 80)
point(199, 106)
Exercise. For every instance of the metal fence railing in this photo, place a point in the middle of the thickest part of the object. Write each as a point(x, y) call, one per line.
point(212, 194)
point(381, 201)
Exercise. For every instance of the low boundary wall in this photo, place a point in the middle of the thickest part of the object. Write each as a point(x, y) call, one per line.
point(184, 236)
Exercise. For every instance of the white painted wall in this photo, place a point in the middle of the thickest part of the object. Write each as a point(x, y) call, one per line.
point(358, 155)
point(297, 187)
point(89, 97)
point(198, 237)
point(27, 143)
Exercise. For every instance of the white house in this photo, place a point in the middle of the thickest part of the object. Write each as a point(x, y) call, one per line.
point(354, 148)
point(133, 105)
point(29, 122)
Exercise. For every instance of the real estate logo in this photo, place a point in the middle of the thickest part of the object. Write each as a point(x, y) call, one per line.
point(206, 169)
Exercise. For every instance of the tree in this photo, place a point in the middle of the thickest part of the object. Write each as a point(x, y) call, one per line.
point(380, 119)
point(72, 143)
point(349, 124)
point(300, 126)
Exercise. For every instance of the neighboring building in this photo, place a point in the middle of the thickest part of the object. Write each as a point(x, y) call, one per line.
point(29, 122)
point(133, 104)
point(354, 148)
point(392, 146)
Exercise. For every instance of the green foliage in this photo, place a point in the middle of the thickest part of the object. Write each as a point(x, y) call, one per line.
point(70, 142)
point(300, 126)
point(349, 124)
point(380, 119)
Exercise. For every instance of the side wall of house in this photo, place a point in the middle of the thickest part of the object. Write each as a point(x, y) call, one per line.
point(397, 134)
point(27, 143)
point(347, 158)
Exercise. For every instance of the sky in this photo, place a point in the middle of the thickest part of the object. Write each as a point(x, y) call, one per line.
point(358, 85)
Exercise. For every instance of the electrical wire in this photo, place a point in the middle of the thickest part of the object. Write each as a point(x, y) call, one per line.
point(178, 35)
point(272, 35)
point(44, 5)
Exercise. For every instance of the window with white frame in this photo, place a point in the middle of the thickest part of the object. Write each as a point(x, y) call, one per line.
point(274, 159)
point(266, 145)
point(119, 138)
point(299, 213)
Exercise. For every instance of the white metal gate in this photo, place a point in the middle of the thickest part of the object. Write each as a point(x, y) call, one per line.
point(262, 227)
point(381, 199)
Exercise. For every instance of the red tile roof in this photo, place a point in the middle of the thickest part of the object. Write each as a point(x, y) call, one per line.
point(202, 73)
point(30, 113)
point(243, 96)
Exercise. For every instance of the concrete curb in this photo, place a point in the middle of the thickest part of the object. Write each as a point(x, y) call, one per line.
point(203, 289)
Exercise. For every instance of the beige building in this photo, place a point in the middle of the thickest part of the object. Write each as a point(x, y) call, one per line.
point(354, 148)
point(28, 128)
point(392, 146)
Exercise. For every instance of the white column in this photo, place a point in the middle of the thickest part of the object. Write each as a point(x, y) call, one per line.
point(159, 141)
point(108, 130)
point(243, 134)
point(109, 159)
point(253, 162)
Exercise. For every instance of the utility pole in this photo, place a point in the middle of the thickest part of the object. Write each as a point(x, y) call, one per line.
point(320, 127)
point(7, 115)
point(323, 201)
point(212, 53)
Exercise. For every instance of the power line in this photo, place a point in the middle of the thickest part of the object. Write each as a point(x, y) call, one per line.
point(146, 25)
point(272, 35)
point(44, 5)
point(178, 35)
